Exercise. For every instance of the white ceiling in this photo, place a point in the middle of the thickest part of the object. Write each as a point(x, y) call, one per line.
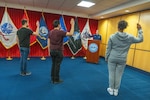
point(105, 8)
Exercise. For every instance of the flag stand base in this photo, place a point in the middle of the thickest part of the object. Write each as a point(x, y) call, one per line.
point(28, 58)
point(43, 58)
point(84, 57)
point(9, 58)
point(72, 57)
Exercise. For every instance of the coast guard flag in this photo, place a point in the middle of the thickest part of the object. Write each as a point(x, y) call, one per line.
point(32, 37)
point(74, 42)
point(7, 31)
point(43, 34)
point(85, 35)
point(63, 27)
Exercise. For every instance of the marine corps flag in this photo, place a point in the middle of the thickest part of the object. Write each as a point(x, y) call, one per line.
point(86, 35)
point(7, 31)
point(43, 33)
point(32, 37)
point(63, 27)
point(74, 42)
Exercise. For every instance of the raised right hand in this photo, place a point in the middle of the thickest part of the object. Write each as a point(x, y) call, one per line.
point(37, 23)
point(139, 26)
point(72, 21)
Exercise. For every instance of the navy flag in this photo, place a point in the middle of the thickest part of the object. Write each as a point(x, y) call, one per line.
point(63, 27)
point(74, 42)
point(43, 33)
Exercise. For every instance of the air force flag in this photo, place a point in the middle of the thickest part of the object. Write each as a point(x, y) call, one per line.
point(43, 34)
point(7, 31)
point(63, 27)
point(75, 40)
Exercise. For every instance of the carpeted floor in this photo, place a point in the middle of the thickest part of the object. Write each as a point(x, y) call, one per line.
point(82, 81)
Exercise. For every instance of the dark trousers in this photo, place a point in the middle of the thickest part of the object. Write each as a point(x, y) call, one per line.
point(23, 59)
point(57, 58)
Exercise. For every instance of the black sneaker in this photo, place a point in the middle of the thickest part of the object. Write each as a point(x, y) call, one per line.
point(57, 82)
point(22, 74)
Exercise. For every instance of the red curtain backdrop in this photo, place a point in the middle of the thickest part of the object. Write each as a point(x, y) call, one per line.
point(2, 49)
point(35, 49)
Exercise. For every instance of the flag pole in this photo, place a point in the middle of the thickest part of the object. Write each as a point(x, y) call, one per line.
point(25, 12)
point(43, 58)
point(8, 53)
point(9, 58)
point(73, 57)
point(85, 54)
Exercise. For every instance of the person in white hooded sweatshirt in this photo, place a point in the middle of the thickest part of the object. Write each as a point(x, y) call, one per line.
point(116, 54)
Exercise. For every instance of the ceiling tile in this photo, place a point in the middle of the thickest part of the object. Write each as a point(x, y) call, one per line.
point(41, 3)
point(27, 2)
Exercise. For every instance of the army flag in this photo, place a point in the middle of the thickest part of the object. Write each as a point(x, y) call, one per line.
point(7, 31)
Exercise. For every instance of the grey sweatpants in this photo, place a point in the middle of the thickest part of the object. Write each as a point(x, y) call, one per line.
point(115, 71)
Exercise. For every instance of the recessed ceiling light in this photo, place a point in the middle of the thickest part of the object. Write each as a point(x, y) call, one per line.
point(85, 4)
point(127, 11)
point(101, 17)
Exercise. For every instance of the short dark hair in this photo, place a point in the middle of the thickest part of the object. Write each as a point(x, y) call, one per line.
point(122, 24)
point(56, 23)
point(23, 21)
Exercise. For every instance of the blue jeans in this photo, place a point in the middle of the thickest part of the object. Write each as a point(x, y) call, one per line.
point(23, 59)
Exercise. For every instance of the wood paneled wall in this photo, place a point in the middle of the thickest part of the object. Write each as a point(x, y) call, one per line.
point(139, 54)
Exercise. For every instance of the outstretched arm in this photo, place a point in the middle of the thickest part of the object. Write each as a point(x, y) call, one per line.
point(139, 38)
point(37, 29)
point(72, 28)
